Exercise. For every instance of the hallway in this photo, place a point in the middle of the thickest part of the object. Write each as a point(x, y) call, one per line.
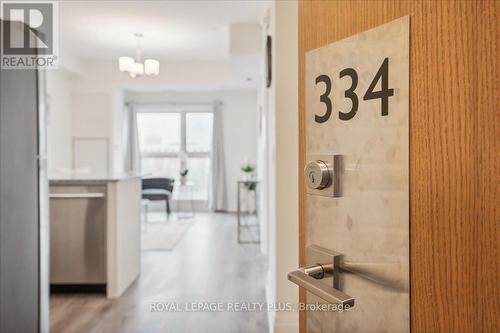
point(207, 265)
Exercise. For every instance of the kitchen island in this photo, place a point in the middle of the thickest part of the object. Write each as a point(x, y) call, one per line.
point(95, 233)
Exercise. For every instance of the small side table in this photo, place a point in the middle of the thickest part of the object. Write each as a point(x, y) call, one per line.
point(248, 217)
point(184, 192)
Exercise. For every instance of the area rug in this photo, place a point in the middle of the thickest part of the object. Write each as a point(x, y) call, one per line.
point(163, 236)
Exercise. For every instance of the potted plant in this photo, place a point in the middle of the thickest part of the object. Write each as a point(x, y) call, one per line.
point(249, 172)
point(248, 169)
point(183, 173)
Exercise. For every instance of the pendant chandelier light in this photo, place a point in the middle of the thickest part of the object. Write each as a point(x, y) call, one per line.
point(135, 66)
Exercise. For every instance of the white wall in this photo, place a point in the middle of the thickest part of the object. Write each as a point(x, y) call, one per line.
point(180, 76)
point(58, 121)
point(283, 221)
point(91, 130)
point(245, 38)
point(239, 112)
point(287, 155)
point(98, 78)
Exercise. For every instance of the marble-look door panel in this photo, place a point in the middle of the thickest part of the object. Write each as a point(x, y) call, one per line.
point(347, 114)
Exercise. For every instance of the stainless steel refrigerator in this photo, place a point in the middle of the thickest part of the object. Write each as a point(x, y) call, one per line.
point(23, 202)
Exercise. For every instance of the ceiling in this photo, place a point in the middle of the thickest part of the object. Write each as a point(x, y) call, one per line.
point(173, 30)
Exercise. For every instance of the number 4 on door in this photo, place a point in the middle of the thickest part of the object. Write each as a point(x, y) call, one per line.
point(384, 93)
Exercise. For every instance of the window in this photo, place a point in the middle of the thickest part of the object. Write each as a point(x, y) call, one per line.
point(159, 133)
point(171, 141)
point(198, 132)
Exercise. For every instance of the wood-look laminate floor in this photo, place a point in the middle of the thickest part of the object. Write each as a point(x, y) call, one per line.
point(207, 265)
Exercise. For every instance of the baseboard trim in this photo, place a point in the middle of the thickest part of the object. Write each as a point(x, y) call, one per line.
point(95, 288)
point(271, 315)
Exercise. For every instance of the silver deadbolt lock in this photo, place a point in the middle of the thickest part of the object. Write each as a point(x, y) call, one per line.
point(323, 174)
point(317, 175)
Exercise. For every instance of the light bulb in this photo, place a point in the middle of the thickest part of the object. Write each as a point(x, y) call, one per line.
point(151, 67)
point(125, 64)
point(139, 68)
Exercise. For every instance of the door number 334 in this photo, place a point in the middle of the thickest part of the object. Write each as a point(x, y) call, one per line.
point(384, 93)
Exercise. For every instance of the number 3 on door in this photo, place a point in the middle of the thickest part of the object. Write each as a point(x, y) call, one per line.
point(324, 98)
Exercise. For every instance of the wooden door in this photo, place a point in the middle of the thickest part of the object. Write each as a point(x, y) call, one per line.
point(454, 151)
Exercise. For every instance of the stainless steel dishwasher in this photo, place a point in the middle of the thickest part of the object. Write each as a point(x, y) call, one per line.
point(77, 235)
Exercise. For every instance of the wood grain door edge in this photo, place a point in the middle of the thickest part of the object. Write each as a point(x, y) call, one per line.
point(302, 193)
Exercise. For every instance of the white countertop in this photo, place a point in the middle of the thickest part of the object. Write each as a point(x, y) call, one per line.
point(82, 178)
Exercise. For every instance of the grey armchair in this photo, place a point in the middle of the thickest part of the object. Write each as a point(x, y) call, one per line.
point(155, 189)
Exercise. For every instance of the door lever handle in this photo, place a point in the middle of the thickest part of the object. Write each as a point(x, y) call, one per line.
point(324, 291)
point(310, 277)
